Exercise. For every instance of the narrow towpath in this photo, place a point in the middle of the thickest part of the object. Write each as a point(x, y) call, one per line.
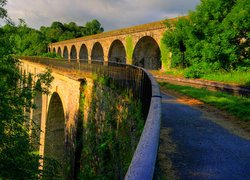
point(192, 146)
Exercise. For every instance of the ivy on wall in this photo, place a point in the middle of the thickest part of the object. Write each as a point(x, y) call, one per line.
point(111, 132)
point(165, 56)
point(129, 49)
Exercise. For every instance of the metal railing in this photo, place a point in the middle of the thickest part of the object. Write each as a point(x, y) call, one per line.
point(144, 88)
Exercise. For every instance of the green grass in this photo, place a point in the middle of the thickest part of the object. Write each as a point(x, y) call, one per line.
point(235, 105)
point(175, 72)
point(238, 77)
point(234, 77)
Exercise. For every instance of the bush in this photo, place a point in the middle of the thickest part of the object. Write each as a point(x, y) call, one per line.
point(193, 72)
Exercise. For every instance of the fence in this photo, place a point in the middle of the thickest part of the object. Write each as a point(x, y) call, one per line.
point(144, 88)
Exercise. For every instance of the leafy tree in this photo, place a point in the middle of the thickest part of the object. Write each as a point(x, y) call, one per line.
point(66, 35)
point(3, 12)
point(16, 93)
point(210, 43)
point(57, 25)
point(93, 27)
point(16, 158)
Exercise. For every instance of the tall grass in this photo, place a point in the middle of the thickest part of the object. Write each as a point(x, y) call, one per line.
point(238, 77)
point(233, 77)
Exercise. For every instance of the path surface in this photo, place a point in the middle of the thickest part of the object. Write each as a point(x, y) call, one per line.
point(198, 147)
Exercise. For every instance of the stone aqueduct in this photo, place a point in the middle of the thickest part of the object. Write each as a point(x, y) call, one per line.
point(57, 112)
point(138, 45)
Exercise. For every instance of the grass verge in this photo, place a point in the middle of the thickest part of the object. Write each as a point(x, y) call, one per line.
point(238, 77)
point(235, 105)
point(233, 77)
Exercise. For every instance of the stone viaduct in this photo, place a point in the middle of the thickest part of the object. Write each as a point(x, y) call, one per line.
point(56, 113)
point(138, 45)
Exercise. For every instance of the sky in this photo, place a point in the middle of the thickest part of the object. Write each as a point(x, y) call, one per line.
point(112, 14)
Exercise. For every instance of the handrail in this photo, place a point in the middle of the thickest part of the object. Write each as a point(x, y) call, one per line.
point(142, 165)
point(145, 88)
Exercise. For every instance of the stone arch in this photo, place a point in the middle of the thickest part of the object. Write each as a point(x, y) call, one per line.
point(97, 52)
point(83, 53)
point(65, 52)
point(73, 54)
point(54, 50)
point(54, 146)
point(117, 52)
point(59, 52)
point(147, 53)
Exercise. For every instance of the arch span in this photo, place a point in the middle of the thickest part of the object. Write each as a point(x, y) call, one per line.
point(65, 53)
point(97, 52)
point(54, 50)
point(147, 53)
point(55, 134)
point(83, 54)
point(117, 52)
point(59, 52)
point(73, 54)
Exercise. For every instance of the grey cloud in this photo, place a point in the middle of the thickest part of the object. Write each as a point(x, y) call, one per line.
point(112, 14)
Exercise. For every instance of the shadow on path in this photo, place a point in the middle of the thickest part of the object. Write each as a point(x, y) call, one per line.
point(202, 149)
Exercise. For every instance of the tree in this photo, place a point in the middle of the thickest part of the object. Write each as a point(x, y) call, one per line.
point(93, 27)
point(210, 43)
point(3, 12)
point(16, 158)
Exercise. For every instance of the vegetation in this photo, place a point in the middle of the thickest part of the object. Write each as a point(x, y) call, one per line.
point(16, 93)
point(237, 77)
point(165, 56)
point(31, 42)
point(111, 133)
point(232, 77)
point(235, 105)
point(17, 157)
point(203, 42)
point(129, 49)
point(59, 32)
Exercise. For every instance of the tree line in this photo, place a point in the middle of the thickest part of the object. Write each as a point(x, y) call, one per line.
point(214, 37)
point(31, 42)
point(18, 156)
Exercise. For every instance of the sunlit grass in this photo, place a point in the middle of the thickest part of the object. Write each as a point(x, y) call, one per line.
point(238, 77)
point(236, 105)
point(175, 72)
point(234, 77)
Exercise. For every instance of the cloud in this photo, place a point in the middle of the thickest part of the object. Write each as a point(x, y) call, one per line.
point(112, 14)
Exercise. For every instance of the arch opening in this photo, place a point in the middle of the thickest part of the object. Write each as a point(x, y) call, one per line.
point(65, 53)
point(97, 52)
point(117, 52)
point(54, 147)
point(83, 54)
point(147, 54)
point(59, 52)
point(73, 52)
point(54, 50)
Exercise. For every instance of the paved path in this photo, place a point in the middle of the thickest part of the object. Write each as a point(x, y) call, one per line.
point(205, 150)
